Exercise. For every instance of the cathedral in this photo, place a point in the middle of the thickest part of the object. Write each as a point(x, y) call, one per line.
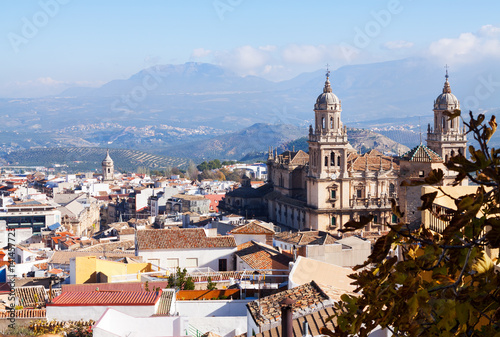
point(332, 183)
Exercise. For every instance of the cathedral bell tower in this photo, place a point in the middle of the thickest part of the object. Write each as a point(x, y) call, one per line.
point(328, 141)
point(448, 137)
point(108, 168)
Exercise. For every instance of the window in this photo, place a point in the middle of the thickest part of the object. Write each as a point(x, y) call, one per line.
point(172, 263)
point(323, 122)
point(394, 218)
point(331, 122)
point(359, 193)
point(332, 159)
point(375, 219)
point(391, 190)
point(334, 194)
point(334, 222)
point(191, 262)
point(338, 161)
point(326, 160)
point(421, 174)
point(222, 264)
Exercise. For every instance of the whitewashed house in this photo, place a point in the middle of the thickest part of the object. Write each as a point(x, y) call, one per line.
point(186, 248)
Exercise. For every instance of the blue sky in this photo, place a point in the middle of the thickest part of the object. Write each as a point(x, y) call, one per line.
point(49, 45)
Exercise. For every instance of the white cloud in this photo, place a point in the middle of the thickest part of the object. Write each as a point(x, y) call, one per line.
point(400, 44)
point(489, 30)
point(200, 53)
point(268, 48)
point(468, 47)
point(245, 60)
point(304, 54)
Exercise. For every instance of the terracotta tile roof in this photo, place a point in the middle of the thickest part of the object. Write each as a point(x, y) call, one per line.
point(24, 313)
point(31, 296)
point(109, 246)
point(187, 295)
point(422, 153)
point(63, 257)
point(99, 298)
point(260, 256)
point(308, 298)
point(185, 238)
point(316, 321)
point(42, 266)
point(306, 238)
point(254, 227)
point(371, 161)
point(122, 286)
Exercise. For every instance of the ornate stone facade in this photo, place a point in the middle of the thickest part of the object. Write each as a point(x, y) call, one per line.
point(332, 184)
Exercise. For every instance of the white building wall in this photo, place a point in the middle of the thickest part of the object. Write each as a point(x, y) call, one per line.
point(75, 313)
point(115, 323)
point(24, 268)
point(207, 257)
point(207, 308)
point(222, 326)
point(242, 238)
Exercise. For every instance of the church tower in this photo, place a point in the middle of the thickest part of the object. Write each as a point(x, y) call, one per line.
point(448, 137)
point(328, 178)
point(328, 141)
point(107, 168)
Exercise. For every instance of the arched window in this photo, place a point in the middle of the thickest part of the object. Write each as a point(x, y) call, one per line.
point(323, 122)
point(331, 122)
point(332, 159)
point(451, 122)
point(326, 160)
point(338, 161)
point(443, 121)
point(391, 190)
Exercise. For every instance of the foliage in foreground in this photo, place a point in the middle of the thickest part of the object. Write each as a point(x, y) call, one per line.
point(441, 284)
point(41, 327)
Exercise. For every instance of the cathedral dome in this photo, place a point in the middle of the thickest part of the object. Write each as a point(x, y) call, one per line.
point(327, 100)
point(446, 101)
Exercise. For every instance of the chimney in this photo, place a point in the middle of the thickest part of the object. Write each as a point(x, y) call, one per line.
point(305, 329)
point(287, 317)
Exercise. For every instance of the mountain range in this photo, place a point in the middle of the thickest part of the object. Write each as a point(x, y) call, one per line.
point(169, 109)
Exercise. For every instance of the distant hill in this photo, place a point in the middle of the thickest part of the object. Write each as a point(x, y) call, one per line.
point(90, 158)
point(361, 140)
point(252, 144)
point(256, 138)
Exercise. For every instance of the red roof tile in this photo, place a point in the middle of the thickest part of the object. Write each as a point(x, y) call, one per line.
point(185, 238)
point(259, 256)
point(98, 298)
point(122, 286)
point(252, 228)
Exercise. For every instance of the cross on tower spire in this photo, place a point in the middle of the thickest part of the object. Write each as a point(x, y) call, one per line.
point(446, 76)
point(327, 71)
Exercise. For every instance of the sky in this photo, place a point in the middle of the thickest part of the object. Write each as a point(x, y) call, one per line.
point(49, 45)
